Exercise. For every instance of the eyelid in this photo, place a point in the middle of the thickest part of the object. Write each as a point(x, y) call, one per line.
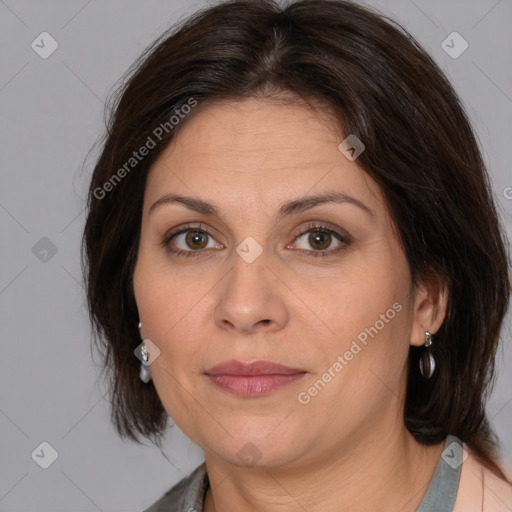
point(180, 229)
point(174, 232)
point(323, 226)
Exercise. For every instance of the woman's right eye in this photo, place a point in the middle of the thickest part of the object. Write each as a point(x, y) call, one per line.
point(190, 242)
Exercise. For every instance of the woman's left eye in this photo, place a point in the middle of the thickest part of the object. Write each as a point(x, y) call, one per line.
point(321, 238)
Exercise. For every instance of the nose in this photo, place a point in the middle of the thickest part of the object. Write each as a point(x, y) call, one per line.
point(251, 298)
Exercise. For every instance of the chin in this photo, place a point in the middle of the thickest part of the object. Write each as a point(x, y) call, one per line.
point(257, 443)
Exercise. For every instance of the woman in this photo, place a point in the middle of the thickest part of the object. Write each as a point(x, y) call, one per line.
point(293, 251)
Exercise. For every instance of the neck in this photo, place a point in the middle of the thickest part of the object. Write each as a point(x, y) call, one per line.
point(372, 472)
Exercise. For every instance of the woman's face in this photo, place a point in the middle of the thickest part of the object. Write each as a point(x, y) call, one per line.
point(322, 287)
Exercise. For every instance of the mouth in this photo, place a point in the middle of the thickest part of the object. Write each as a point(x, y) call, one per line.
point(253, 379)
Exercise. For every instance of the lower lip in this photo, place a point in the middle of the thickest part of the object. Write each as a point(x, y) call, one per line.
point(253, 385)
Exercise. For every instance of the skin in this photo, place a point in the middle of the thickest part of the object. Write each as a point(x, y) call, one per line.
point(348, 448)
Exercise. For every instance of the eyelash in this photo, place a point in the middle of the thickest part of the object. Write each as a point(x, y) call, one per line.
point(310, 227)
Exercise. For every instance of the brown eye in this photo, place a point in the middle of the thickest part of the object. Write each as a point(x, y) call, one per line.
point(196, 239)
point(190, 241)
point(319, 239)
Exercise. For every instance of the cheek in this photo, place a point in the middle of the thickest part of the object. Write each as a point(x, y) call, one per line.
point(362, 365)
point(357, 299)
point(152, 287)
point(368, 311)
point(152, 292)
point(168, 321)
point(171, 309)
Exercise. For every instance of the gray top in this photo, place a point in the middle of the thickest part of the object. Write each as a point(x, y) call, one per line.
point(188, 495)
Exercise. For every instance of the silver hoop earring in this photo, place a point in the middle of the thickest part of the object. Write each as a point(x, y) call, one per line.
point(427, 361)
point(145, 374)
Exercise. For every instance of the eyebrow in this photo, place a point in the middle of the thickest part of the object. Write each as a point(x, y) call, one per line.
point(294, 206)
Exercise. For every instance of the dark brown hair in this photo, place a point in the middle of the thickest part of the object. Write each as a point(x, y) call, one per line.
point(420, 149)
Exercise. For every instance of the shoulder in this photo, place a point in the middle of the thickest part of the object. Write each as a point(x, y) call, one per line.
point(187, 495)
point(480, 489)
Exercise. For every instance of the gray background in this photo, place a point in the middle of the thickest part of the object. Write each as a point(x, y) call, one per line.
point(51, 113)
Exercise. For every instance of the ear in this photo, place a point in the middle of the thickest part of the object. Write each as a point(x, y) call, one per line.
point(430, 305)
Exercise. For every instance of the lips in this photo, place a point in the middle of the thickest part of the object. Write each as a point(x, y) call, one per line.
point(254, 368)
point(253, 379)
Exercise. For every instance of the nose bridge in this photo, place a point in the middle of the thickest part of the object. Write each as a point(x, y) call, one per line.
point(249, 270)
point(251, 295)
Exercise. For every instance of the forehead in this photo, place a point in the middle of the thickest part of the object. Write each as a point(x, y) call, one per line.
point(259, 149)
point(258, 132)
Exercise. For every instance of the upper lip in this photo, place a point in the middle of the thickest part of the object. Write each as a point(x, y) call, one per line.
point(252, 368)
